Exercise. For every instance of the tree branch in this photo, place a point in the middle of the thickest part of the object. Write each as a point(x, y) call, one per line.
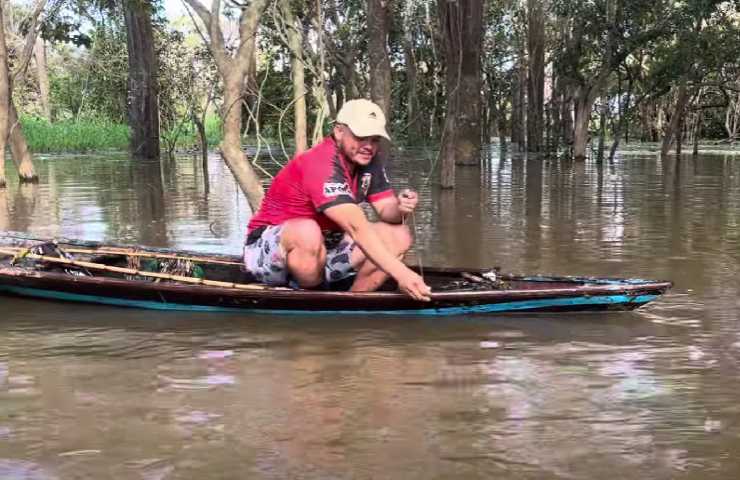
point(212, 22)
point(25, 57)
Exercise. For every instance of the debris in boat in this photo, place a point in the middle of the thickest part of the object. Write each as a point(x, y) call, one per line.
point(48, 249)
point(472, 282)
point(177, 267)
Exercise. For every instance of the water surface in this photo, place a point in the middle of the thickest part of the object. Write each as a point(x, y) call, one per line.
point(98, 392)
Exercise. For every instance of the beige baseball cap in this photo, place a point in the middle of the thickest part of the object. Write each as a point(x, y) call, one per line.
point(363, 117)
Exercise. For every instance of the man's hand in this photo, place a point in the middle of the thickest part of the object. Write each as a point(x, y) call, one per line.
point(407, 201)
point(410, 283)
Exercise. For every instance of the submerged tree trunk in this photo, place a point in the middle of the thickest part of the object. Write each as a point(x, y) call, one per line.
point(143, 91)
point(697, 133)
point(461, 23)
point(602, 130)
point(4, 96)
point(621, 124)
point(536, 77)
point(19, 148)
point(39, 52)
point(583, 104)
point(671, 131)
point(566, 117)
point(556, 101)
point(518, 103)
point(501, 119)
point(203, 140)
point(377, 47)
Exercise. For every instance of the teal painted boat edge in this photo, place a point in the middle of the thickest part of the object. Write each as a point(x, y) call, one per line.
point(503, 307)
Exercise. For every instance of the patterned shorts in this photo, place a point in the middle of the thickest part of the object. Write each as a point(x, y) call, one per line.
point(264, 257)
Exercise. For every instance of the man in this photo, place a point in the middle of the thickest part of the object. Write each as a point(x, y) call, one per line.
point(310, 228)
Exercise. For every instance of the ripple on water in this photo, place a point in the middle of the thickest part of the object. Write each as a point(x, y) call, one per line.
point(205, 382)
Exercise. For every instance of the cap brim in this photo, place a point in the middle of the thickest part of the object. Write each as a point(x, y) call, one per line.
point(369, 132)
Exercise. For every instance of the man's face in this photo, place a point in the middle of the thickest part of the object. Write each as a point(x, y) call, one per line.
point(359, 150)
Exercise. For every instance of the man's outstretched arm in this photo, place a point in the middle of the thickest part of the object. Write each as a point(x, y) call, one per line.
point(352, 220)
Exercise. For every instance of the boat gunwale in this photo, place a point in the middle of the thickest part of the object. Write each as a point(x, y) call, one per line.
point(281, 292)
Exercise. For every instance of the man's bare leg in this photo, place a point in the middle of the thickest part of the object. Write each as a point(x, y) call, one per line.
point(397, 238)
point(305, 254)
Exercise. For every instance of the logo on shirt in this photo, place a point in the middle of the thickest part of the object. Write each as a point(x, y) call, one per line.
point(365, 182)
point(333, 189)
point(385, 176)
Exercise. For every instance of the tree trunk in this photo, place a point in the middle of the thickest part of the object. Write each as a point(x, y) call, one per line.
point(299, 109)
point(556, 101)
point(461, 24)
point(202, 139)
point(566, 116)
point(412, 97)
point(697, 133)
point(671, 131)
point(583, 104)
point(679, 136)
point(377, 46)
point(602, 130)
point(143, 102)
point(536, 78)
point(4, 98)
point(19, 147)
point(231, 145)
point(39, 51)
point(501, 119)
point(624, 112)
point(294, 34)
point(517, 107)
point(233, 69)
point(250, 92)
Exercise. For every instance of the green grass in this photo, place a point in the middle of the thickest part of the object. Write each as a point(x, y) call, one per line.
point(188, 138)
point(68, 136)
point(71, 136)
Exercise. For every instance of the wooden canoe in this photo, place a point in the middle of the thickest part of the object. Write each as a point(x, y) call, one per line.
point(128, 276)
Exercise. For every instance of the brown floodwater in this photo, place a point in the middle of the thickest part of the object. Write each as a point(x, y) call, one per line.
point(89, 392)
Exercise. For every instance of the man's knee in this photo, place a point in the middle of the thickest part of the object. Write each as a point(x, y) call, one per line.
point(302, 234)
point(403, 238)
point(397, 237)
point(305, 251)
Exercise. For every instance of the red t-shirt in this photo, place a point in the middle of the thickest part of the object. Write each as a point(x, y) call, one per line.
point(315, 180)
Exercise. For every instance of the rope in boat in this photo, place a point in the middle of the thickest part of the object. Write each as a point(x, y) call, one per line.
point(418, 250)
point(83, 246)
point(18, 253)
point(135, 253)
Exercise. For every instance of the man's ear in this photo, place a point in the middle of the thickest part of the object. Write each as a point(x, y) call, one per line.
point(337, 130)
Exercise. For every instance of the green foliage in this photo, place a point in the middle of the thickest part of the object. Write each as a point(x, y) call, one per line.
point(71, 136)
point(648, 44)
point(92, 83)
point(187, 137)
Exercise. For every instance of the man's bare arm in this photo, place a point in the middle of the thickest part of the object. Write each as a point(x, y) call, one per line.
point(352, 220)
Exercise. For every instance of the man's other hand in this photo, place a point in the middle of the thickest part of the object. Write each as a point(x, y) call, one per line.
point(407, 201)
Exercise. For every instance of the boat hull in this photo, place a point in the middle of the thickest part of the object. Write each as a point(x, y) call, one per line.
point(164, 296)
point(105, 276)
